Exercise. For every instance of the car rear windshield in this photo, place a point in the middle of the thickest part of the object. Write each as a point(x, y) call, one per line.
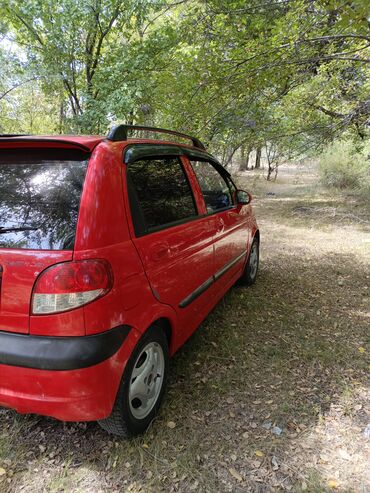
point(40, 192)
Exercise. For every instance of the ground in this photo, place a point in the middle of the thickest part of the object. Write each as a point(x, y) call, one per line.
point(272, 393)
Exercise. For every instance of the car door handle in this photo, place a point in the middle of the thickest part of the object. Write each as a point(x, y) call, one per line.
point(220, 225)
point(160, 251)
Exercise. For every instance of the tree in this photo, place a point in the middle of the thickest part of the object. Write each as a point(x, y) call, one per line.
point(89, 49)
point(293, 73)
point(303, 65)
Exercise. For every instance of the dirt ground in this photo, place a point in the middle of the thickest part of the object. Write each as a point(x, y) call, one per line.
point(271, 394)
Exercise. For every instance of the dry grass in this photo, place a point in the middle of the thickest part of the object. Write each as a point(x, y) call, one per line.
point(291, 352)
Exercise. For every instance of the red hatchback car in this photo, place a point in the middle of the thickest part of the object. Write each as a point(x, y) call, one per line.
point(112, 251)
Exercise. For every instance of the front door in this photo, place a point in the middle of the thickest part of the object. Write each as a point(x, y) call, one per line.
point(231, 223)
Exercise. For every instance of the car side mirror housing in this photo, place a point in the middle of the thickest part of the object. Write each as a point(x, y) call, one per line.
point(243, 198)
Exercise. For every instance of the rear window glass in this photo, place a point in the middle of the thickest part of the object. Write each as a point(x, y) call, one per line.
point(40, 192)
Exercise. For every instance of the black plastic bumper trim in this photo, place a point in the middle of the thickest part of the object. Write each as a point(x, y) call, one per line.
point(60, 353)
point(208, 283)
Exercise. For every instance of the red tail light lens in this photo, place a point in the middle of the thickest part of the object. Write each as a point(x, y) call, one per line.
point(70, 285)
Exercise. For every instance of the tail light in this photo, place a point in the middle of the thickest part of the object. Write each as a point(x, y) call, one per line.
point(70, 285)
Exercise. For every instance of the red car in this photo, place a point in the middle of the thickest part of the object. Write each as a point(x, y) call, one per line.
point(112, 251)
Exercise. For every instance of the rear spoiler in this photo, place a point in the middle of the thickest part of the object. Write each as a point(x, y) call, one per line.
point(25, 141)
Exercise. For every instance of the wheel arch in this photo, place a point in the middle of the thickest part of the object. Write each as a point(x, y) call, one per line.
point(165, 324)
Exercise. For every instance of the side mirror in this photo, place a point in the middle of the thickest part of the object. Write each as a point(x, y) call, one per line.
point(243, 198)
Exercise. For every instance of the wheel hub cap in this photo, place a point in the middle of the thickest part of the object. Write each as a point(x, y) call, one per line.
point(253, 260)
point(146, 380)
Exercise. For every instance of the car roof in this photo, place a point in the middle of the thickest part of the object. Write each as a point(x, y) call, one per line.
point(85, 142)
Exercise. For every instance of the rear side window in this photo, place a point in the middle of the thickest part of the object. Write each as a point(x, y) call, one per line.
point(159, 194)
point(217, 191)
point(40, 192)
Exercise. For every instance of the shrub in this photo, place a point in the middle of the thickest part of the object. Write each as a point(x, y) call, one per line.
point(345, 167)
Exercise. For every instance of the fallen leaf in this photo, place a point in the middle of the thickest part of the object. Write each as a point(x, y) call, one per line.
point(171, 424)
point(361, 349)
point(235, 473)
point(259, 453)
point(2, 471)
point(332, 483)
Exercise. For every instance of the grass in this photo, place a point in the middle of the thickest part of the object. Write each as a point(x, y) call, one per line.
point(292, 351)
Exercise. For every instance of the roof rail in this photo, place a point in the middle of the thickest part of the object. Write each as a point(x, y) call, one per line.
point(14, 135)
point(120, 132)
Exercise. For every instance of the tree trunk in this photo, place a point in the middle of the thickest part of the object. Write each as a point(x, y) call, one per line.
point(244, 158)
point(272, 168)
point(269, 172)
point(258, 157)
point(62, 117)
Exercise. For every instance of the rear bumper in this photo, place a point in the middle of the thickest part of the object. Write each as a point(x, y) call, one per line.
point(68, 378)
point(60, 353)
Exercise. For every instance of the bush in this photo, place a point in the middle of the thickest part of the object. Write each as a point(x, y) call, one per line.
point(345, 167)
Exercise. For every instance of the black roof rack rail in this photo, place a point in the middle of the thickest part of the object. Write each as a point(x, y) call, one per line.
point(14, 135)
point(120, 132)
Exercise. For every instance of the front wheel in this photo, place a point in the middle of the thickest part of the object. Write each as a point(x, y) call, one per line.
point(142, 386)
point(249, 275)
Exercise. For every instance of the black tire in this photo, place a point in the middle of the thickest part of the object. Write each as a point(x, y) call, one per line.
point(249, 275)
point(122, 422)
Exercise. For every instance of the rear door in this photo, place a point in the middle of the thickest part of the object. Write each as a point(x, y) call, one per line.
point(231, 222)
point(40, 191)
point(173, 238)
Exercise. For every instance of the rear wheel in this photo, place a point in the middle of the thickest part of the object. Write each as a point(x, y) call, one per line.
point(142, 386)
point(251, 267)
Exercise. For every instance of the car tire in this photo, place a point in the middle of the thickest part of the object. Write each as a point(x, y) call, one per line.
point(142, 386)
point(249, 275)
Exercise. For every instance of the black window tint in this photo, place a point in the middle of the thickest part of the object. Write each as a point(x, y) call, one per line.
point(40, 192)
point(159, 193)
point(216, 192)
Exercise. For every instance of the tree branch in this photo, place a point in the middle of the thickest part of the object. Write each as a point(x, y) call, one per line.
point(30, 28)
point(2, 96)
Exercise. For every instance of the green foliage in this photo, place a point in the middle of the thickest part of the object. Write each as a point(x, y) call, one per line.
point(295, 74)
point(94, 52)
point(27, 110)
point(346, 167)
